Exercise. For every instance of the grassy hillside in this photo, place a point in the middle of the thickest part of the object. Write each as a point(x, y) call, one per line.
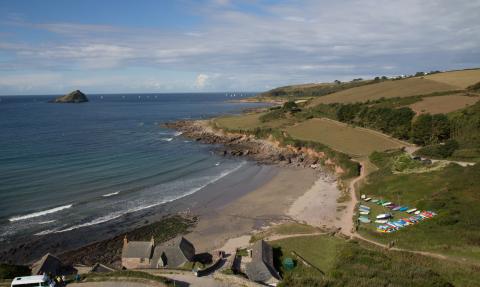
point(443, 104)
point(465, 131)
point(451, 192)
point(247, 122)
point(459, 79)
point(387, 89)
point(346, 139)
point(336, 262)
point(313, 90)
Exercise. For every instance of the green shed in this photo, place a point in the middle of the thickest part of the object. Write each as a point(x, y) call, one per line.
point(288, 263)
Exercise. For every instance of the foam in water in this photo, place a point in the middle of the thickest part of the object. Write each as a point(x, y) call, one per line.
point(111, 194)
point(40, 213)
point(178, 134)
point(118, 214)
point(167, 139)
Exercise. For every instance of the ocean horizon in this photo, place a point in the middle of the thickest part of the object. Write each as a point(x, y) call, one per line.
point(66, 167)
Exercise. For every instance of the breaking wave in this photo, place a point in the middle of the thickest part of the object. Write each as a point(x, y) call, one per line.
point(40, 213)
point(167, 139)
point(111, 194)
point(117, 214)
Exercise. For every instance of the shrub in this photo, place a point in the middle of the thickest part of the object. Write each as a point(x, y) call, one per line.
point(8, 271)
point(439, 150)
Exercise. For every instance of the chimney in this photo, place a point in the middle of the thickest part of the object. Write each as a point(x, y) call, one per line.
point(152, 241)
point(125, 241)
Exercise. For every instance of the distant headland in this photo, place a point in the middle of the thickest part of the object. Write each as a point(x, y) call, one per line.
point(73, 97)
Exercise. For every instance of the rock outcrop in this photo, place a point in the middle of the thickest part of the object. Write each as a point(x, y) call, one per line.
point(262, 151)
point(72, 97)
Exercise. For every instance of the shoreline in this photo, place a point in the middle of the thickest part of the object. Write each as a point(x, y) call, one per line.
point(28, 249)
point(276, 185)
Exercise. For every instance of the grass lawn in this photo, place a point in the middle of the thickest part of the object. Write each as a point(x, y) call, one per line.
point(350, 263)
point(319, 251)
point(343, 138)
point(452, 192)
point(126, 276)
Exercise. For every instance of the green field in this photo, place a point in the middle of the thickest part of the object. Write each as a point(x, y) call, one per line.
point(246, 122)
point(343, 138)
point(452, 192)
point(349, 263)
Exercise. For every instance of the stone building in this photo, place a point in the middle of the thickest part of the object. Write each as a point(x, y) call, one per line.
point(173, 254)
point(144, 254)
point(52, 266)
point(137, 254)
point(261, 269)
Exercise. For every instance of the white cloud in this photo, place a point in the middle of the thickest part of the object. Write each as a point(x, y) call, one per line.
point(289, 42)
point(201, 81)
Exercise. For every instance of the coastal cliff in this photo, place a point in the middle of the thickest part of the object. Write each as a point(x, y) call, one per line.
point(266, 151)
point(73, 97)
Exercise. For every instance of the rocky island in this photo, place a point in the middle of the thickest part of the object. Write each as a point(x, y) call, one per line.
point(73, 97)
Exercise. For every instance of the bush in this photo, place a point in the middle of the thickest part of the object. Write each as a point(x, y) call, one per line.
point(290, 106)
point(272, 115)
point(8, 271)
point(439, 150)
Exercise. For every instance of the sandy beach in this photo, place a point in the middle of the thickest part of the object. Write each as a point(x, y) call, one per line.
point(268, 203)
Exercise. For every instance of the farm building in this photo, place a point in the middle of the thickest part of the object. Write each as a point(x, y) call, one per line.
point(261, 268)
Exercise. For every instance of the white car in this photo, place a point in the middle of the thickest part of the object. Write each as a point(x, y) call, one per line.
point(33, 281)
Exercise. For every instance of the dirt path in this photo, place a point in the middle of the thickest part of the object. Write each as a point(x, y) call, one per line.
point(346, 221)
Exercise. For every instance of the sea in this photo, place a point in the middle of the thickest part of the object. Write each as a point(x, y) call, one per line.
point(66, 167)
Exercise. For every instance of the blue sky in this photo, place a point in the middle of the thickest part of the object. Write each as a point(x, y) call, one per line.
point(52, 47)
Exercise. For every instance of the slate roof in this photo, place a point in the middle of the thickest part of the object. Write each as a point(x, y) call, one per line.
point(50, 264)
point(177, 252)
point(261, 268)
point(100, 268)
point(137, 249)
